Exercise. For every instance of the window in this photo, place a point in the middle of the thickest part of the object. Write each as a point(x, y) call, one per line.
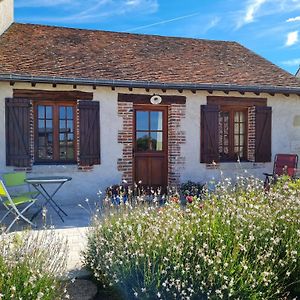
point(235, 128)
point(149, 131)
point(233, 134)
point(63, 132)
point(55, 132)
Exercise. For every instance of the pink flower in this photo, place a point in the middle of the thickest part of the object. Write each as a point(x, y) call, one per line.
point(189, 199)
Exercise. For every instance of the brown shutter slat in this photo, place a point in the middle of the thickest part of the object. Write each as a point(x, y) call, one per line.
point(209, 133)
point(17, 122)
point(89, 133)
point(263, 132)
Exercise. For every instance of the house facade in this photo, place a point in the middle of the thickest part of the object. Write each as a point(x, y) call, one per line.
point(103, 107)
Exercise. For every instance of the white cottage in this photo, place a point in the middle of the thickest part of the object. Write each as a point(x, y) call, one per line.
point(105, 106)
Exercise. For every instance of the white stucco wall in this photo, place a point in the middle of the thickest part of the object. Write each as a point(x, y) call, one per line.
point(6, 14)
point(285, 139)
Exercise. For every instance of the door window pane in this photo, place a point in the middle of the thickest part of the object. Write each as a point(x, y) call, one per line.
point(142, 120)
point(156, 120)
point(156, 141)
point(142, 141)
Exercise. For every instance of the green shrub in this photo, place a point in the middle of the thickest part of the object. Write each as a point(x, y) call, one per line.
point(240, 242)
point(31, 266)
point(191, 188)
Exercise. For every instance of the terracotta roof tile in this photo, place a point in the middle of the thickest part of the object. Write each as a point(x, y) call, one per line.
point(38, 50)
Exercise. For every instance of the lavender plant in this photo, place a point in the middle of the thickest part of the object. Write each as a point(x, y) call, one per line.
point(236, 243)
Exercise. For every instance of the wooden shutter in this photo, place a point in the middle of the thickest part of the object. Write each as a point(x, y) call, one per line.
point(89, 133)
point(263, 126)
point(209, 133)
point(17, 122)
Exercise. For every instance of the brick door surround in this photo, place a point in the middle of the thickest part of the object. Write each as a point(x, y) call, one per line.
point(176, 135)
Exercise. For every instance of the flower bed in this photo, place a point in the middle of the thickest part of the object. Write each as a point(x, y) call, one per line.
point(238, 242)
point(31, 266)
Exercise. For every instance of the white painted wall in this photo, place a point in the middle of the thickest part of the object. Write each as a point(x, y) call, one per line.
point(6, 14)
point(285, 139)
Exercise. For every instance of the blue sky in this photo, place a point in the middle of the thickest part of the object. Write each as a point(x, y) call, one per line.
point(270, 28)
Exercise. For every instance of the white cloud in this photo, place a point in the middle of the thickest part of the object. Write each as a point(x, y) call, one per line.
point(255, 9)
point(292, 38)
point(252, 8)
point(292, 62)
point(248, 15)
point(293, 19)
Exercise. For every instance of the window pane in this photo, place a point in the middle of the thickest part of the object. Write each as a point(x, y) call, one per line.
point(49, 125)
point(62, 112)
point(142, 120)
point(237, 116)
point(142, 141)
point(41, 111)
point(156, 141)
point(49, 112)
point(156, 118)
point(41, 125)
point(70, 137)
point(242, 128)
point(242, 117)
point(236, 128)
point(70, 152)
point(63, 152)
point(62, 137)
point(236, 140)
point(62, 126)
point(69, 112)
point(224, 135)
point(69, 126)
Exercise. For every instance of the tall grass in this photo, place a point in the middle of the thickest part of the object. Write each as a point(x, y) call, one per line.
point(238, 242)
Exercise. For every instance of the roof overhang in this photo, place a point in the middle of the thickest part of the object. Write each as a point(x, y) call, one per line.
point(257, 89)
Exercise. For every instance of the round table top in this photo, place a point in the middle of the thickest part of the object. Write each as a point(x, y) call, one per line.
point(48, 179)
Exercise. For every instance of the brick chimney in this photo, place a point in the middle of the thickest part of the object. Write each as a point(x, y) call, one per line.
point(6, 14)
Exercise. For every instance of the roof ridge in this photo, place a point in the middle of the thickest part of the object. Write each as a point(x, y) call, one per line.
point(122, 32)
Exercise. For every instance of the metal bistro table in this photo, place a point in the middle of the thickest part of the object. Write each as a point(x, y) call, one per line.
point(39, 184)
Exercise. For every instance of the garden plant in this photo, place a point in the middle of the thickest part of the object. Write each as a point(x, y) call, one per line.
point(32, 266)
point(239, 242)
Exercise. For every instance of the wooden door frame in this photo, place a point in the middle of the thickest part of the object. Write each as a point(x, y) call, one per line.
point(165, 152)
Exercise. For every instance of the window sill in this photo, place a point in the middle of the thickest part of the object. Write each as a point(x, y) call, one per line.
point(54, 163)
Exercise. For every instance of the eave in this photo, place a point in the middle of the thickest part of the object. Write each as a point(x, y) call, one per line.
point(130, 84)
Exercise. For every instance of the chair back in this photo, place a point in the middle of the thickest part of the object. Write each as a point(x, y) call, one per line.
point(14, 179)
point(285, 164)
point(3, 191)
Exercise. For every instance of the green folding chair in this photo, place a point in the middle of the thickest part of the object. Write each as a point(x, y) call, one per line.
point(16, 184)
point(12, 204)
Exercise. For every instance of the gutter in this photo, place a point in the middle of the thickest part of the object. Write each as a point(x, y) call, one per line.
point(152, 85)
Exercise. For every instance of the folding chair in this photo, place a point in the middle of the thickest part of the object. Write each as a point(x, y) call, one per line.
point(12, 204)
point(15, 183)
point(284, 164)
